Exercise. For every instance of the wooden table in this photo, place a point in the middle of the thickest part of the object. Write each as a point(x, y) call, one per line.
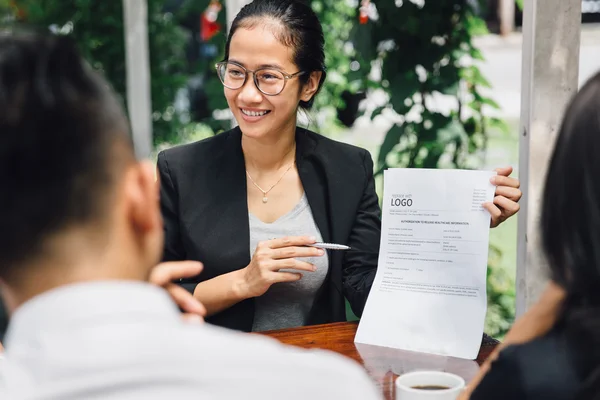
point(382, 364)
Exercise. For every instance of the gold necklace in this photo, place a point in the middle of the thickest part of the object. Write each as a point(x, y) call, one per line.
point(265, 199)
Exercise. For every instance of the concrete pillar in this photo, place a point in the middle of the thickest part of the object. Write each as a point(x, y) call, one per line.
point(233, 7)
point(137, 57)
point(551, 38)
point(506, 16)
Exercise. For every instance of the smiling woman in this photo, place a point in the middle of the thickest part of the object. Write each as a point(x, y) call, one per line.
point(286, 60)
point(248, 203)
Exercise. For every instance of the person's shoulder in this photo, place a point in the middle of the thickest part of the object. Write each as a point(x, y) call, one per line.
point(340, 158)
point(331, 146)
point(201, 150)
point(272, 366)
point(536, 353)
point(542, 368)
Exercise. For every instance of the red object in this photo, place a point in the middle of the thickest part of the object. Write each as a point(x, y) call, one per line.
point(20, 12)
point(363, 14)
point(208, 21)
point(363, 18)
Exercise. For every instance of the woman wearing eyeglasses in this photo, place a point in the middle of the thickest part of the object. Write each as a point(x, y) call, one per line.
point(250, 201)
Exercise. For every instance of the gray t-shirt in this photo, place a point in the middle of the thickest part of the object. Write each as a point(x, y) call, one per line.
point(288, 304)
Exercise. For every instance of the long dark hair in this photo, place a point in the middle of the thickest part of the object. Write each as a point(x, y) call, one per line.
point(570, 224)
point(301, 30)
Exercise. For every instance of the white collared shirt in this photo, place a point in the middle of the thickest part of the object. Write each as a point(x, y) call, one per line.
point(126, 340)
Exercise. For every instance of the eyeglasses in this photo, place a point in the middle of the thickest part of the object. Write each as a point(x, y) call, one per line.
point(269, 81)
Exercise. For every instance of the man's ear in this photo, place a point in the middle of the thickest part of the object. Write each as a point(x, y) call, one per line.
point(312, 86)
point(142, 193)
point(7, 297)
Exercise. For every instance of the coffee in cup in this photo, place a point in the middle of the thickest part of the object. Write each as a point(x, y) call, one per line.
point(424, 385)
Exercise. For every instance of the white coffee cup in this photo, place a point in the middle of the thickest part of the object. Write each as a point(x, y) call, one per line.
point(412, 386)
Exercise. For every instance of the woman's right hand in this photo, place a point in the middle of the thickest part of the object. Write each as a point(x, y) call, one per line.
point(274, 255)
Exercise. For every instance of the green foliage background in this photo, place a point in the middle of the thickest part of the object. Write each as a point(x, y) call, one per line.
point(97, 27)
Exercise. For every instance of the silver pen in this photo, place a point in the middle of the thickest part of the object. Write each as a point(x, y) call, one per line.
point(330, 246)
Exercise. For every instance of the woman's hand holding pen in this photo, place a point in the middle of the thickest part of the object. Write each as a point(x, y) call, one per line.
point(272, 256)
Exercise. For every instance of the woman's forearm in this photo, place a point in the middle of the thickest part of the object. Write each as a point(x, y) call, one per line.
point(221, 292)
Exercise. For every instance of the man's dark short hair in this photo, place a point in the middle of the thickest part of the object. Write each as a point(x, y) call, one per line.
point(59, 125)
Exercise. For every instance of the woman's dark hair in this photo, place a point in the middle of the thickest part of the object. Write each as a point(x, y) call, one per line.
point(570, 224)
point(59, 123)
point(300, 29)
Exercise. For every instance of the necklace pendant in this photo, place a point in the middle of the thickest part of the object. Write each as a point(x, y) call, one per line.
point(265, 199)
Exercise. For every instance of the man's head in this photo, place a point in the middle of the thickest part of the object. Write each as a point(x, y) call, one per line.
point(74, 205)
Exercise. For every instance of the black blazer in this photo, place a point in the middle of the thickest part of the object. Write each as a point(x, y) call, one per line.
point(204, 205)
point(551, 367)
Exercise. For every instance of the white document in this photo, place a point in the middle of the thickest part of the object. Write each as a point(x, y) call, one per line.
point(429, 293)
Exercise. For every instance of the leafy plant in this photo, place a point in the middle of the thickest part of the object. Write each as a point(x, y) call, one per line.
point(427, 60)
point(202, 69)
point(500, 295)
point(98, 29)
point(343, 75)
point(520, 4)
point(6, 10)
